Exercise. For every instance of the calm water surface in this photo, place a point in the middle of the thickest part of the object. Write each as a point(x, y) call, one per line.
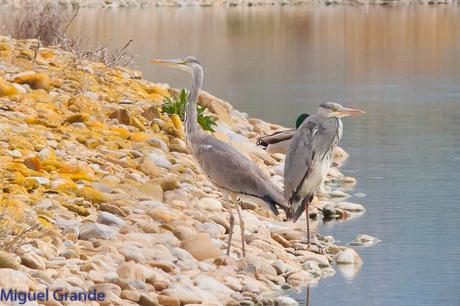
point(402, 65)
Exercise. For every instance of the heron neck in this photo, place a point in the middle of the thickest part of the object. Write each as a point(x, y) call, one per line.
point(191, 120)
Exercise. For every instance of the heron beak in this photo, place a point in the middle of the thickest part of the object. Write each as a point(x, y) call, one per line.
point(350, 112)
point(175, 63)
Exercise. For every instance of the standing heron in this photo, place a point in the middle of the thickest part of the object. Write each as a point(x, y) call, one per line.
point(310, 156)
point(224, 166)
point(278, 142)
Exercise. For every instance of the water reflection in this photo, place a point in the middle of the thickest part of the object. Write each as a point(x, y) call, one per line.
point(284, 59)
point(307, 296)
point(349, 271)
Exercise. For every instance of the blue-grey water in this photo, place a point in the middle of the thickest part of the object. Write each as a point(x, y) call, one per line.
point(400, 64)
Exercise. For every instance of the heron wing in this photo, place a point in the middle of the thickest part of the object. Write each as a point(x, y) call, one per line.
point(229, 169)
point(275, 137)
point(299, 159)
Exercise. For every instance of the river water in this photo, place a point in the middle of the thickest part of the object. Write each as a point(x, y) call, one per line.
point(400, 64)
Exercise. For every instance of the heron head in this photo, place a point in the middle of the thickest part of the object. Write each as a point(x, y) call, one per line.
point(188, 63)
point(332, 109)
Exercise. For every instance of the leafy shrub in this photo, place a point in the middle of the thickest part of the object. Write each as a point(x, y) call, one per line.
point(176, 105)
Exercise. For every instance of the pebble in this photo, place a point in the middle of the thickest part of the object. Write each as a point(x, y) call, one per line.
point(12, 279)
point(300, 278)
point(338, 194)
point(351, 207)
point(158, 143)
point(328, 210)
point(8, 261)
point(210, 204)
point(97, 230)
point(185, 294)
point(211, 284)
point(132, 253)
point(112, 292)
point(279, 266)
point(364, 240)
point(148, 300)
point(201, 247)
point(110, 219)
point(348, 256)
point(168, 300)
point(33, 260)
point(159, 160)
point(285, 301)
point(214, 230)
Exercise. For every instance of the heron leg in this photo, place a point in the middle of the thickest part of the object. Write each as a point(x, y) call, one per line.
point(309, 242)
point(243, 237)
point(232, 223)
point(308, 224)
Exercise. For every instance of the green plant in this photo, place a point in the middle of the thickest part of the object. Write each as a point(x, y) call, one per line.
point(176, 105)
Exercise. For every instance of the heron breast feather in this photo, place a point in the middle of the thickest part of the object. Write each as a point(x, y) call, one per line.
point(312, 182)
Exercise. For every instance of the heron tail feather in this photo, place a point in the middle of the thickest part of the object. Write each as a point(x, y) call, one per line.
point(272, 204)
point(297, 208)
point(295, 214)
point(275, 197)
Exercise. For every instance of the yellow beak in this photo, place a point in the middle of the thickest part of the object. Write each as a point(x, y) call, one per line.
point(350, 111)
point(168, 62)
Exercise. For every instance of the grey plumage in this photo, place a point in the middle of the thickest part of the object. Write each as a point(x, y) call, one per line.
point(230, 170)
point(310, 155)
point(225, 167)
point(278, 142)
point(275, 137)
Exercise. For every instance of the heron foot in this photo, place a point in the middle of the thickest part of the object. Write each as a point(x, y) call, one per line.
point(319, 250)
point(314, 245)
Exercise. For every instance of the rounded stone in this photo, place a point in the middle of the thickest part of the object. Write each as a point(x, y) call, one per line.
point(201, 247)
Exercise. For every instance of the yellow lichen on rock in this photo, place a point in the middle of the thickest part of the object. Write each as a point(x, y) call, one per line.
point(81, 103)
point(68, 187)
point(23, 169)
point(7, 89)
point(33, 163)
point(176, 121)
point(91, 194)
point(82, 211)
point(46, 53)
point(34, 80)
point(76, 118)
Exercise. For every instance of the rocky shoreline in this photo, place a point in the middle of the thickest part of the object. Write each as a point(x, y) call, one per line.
point(220, 3)
point(99, 185)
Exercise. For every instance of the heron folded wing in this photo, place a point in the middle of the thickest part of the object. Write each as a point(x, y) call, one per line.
point(298, 160)
point(275, 137)
point(229, 169)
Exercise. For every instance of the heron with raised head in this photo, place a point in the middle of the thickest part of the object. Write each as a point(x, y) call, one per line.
point(310, 156)
point(228, 169)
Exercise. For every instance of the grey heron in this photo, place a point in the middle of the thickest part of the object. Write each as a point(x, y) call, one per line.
point(278, 142)
point(310, 155)
point(224, 166)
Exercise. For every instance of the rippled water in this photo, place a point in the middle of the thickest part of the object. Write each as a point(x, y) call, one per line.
point(402, 65)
